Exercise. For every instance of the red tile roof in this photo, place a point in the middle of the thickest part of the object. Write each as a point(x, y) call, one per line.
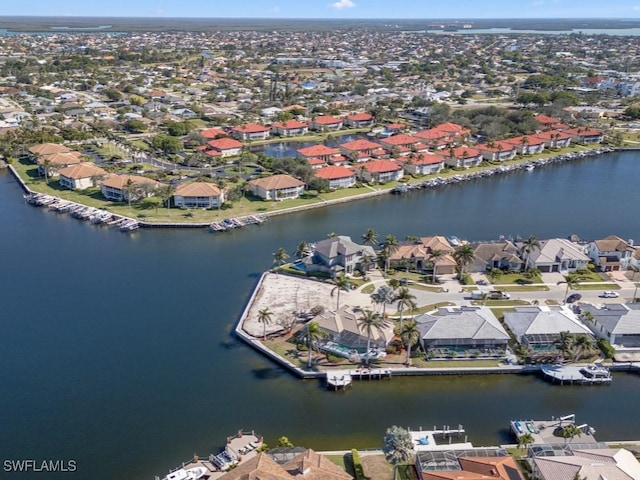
point(357, 145)
point(466, 152)
point(318, 151)
point(400, 139)
point(290, 124)
point(423, 159)
point(381, 166)
point(360, 117)
point(327, 120)
point(225, 143)
point(213, 133)
point(251, 128)
point(334, 172)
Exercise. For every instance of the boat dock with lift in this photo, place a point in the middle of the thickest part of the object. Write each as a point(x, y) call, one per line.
point(337, 379)
point(542, 431)
point(579, 375)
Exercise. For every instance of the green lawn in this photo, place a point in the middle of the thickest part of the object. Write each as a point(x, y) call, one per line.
point(597, 286)
point(496, 303)
point(421, 363)
point(428, 308)
point(524, 288)
point(516, 278)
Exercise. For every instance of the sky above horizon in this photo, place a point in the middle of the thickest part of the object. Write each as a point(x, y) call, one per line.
point(382, 9)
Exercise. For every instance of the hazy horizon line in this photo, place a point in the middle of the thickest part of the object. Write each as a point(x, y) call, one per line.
point(322, 18)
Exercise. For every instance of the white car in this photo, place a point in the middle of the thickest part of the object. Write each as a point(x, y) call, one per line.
point(610, 294)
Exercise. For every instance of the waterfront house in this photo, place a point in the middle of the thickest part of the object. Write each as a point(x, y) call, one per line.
point(251, 131)
point(422, 163)
point(399, 141)
point(526, 144)
point(81, 176)
point(497, 151)
point(277, 187)
point(213, 133)
point(52, 164)
point(463, 157)
point(419, 256)
point(585, 135)
point(501, 255)
point(596, 464)
point(557, 255)
point(316, 163)
point(466, 465)
point(462, 331)
point(359, 120)
point(226, 147)
point(381, 171)
point(41, 149)
point(553, 138)
point(342, 328)
point(289, 128)
point(128, 187)
point(337, 176)
point(326, 123)
point(318, 151)
point(307, 464)
point(198, 195)
point(538, 327)
point(611, 253)
point(618, 323)
point(445, 264)
point(339, 254)
point(547, 122)
point(409, 257)
point(359, 150)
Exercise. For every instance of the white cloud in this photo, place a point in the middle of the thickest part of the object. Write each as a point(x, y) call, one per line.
point(340, 4)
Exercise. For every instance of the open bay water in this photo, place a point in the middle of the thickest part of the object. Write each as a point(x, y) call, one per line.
point(118, 350)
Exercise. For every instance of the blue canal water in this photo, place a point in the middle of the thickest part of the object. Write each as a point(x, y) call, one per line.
point(117, 349)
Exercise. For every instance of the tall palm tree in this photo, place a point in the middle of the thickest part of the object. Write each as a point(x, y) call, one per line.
point(280, 256)
point(370, 237)
point(410, 335)
point(166, 193)
point(571, 281)
point(464, 256)
point(433, 259)
point(405, 299)
point(368, 323)
point(129, 188)
point(313, 334)
point(341, 283)
point(391, 245)
point(529, 246)
point(264, 317)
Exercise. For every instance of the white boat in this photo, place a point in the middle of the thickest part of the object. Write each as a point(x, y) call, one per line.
point(186, 474)
point(529, 167)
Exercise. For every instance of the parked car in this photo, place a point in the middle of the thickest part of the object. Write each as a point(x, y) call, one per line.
point(498, 295)
point(574, 297)
point(610, 294)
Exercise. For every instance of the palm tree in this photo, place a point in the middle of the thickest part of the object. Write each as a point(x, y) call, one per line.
point(341, 283)
point(370, 237)
point(313, 334)
point(405, 299)
point(572, 281)
point(525, 440)
point(529, 246)
point(129, 188)
point(565, 343)
point(383, 296)
point(302, 249)
point(464, 256)
point(494, 274)
point(433, 259)
point(582, 346)
point(264, 317)
point(410, 335)
point(166, 193)
point(280, 256)
point(368, 323)
point(390, 247)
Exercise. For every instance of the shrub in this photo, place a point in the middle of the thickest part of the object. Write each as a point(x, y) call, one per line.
point(358, 470)
point(606, 348)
